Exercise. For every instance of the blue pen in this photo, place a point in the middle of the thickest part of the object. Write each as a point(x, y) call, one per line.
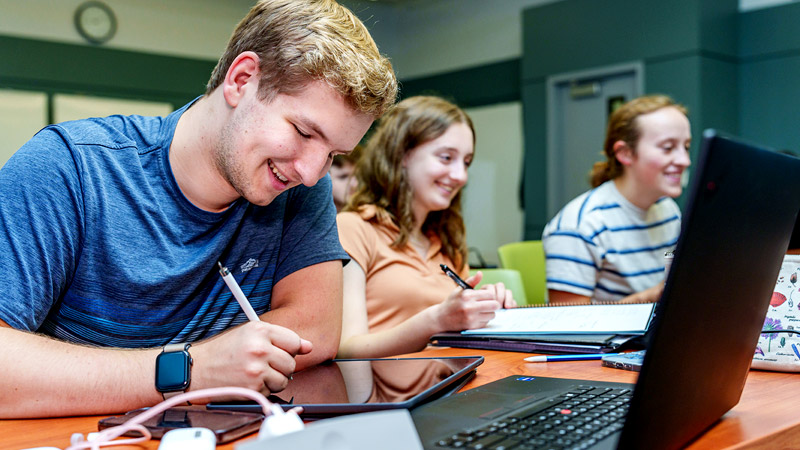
point(547, 358)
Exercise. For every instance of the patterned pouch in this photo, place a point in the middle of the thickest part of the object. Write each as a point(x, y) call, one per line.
point(779, 349)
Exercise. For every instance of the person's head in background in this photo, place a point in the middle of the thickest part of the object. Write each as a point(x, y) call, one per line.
point(342, 176)
point(413, 168)
point(647, 150)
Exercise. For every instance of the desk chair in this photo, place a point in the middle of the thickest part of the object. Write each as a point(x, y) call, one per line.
point(510, 278)
point(527, 257)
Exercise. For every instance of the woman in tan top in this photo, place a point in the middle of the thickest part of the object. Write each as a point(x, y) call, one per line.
point(402, 222)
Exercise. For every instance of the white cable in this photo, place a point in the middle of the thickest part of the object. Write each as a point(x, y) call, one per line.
point(276, 422)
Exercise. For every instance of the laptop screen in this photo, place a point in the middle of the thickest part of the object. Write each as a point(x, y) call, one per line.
point(794, 242)
point(742, 208)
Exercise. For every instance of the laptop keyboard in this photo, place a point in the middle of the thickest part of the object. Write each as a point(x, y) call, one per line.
point(574, 420)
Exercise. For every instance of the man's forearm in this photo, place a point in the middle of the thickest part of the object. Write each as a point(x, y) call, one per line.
point(309, 302)
point(46, 378)
point(322, 330)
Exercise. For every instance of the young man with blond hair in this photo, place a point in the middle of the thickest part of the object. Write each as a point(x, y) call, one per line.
point(113, 226)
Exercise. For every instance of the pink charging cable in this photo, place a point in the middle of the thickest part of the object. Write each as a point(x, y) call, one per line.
point(107, 437)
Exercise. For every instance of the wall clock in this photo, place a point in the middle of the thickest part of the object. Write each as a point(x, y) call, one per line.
point(95, 21)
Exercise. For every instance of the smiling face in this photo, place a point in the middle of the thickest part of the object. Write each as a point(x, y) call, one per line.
point(655, 167)
point(267, 148)
point(437, 169)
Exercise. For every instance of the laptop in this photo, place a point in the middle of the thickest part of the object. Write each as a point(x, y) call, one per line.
point(794, 242)
point(742, 206)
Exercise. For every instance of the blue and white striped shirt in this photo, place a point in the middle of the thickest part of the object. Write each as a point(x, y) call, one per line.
point(602, 246)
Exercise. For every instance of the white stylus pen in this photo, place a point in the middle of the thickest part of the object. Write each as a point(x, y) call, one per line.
point(237, 293)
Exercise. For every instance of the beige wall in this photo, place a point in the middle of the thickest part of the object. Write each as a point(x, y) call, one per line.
point(22, 114)
point(192, 28)
point(491, 198)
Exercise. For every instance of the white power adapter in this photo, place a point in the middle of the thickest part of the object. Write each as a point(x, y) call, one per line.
point(279, 422)
point(188, 439)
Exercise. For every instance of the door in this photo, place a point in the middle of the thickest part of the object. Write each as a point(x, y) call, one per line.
point(578, 108)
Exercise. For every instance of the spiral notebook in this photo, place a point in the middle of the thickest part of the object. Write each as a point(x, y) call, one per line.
point(558, 329)
point(542, 343)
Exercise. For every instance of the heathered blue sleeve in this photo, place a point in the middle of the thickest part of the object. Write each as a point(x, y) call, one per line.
point(41, 213)
point(310, 233)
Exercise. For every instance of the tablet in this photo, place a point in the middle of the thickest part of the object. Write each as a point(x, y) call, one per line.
point(226, 425)
point(348, 386)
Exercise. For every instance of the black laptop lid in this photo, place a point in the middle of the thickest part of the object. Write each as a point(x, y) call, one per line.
point(741, 210)
point(794, 242)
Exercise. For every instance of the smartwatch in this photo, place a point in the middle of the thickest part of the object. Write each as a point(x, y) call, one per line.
point(173, 370)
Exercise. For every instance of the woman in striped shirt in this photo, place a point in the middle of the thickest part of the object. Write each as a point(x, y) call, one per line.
point(608, 244)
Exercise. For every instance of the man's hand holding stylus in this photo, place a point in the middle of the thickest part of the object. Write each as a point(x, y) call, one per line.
point(254, 355)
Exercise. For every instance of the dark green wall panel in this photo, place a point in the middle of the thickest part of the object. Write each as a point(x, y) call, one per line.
point(677, 77)
point(770, 102)
point(535, 161)
point(478, 86)
point(769, 31)
point(769, 76)
point(59, 67)
point(719, 96)
point(718, 20)
point(577, 34)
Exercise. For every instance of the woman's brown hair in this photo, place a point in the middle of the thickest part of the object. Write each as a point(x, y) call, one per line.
point(382, 180)
point(622, 126)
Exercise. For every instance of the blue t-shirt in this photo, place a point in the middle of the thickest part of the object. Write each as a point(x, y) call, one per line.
point(100, 246)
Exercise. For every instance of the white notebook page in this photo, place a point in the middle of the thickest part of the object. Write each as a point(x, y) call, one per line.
point(579, 319)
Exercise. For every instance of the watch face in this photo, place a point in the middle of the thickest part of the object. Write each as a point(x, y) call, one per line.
point(172, 371)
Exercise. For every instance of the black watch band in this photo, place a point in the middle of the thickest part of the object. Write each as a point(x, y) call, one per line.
point(173, 370)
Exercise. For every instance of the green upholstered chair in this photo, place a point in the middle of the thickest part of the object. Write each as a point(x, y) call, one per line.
point(511, 279)
point(527, 257)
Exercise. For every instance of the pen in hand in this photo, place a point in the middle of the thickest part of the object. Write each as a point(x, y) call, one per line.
point(237, 293)
point(239, 296)
point(461, 283)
